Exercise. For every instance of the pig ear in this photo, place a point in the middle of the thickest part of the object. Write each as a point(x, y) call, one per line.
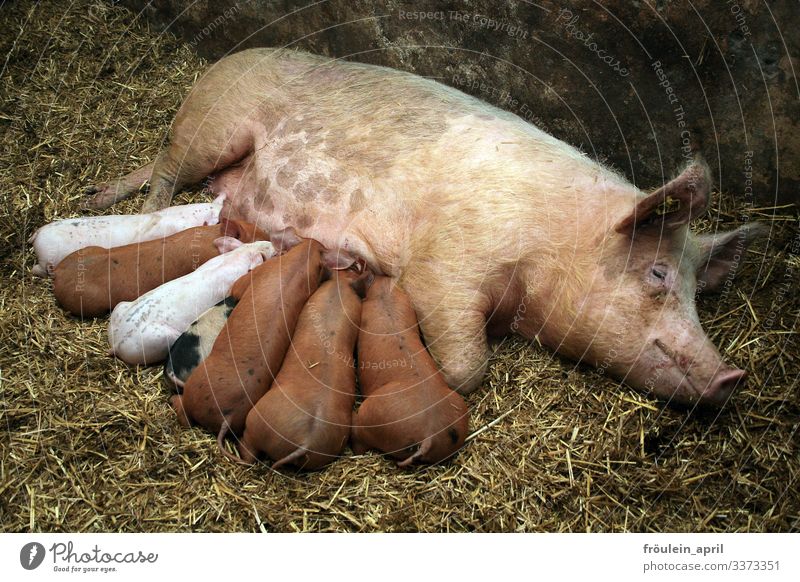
point(220, 199)
point(673, 205)
point(226, 244)
point(339, 260)
point(363, 282)
point(285, 239)
point(722, 253)
point(230, 228)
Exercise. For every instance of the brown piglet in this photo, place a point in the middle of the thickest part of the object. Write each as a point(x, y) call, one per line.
point(304, 419)
point(93, 280)
point(249, 350)
point(409, 412)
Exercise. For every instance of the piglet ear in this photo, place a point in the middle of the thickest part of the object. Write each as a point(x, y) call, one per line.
point(722, 253)
point(220, 199)
point(254, 232)
point(226, 244)
point(339, 260)
point(671, 206)
point(363, 282)
point(230, 228)
point(285, 239)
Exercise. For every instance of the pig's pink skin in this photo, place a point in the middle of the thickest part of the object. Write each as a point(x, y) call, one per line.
point(141, 331)
point(54, 241)
point(489, 223)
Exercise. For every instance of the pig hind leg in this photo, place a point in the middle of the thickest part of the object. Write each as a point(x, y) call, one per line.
point(193, 154)
point(248, 452)
point(183, 418)
point(174, 169)
point(109, 193)
point(208, 136)
point(171, 171)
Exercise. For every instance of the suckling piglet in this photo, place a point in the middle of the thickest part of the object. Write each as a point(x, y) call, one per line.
point(141, 331)
point(249, 350)
point(409, 412)
point(194, 345)
point(304, 419)
point(54, 241)
point(92, 280)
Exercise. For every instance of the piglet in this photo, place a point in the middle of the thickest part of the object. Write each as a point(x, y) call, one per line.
point(409, 412)
point(58, 239)
point(92, 280)
point(250, 349)
point(194, 345)
point(304, 419)
point(141, 332)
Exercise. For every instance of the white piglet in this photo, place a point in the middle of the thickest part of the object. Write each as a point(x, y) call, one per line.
point(52, 242)
point(142, 331)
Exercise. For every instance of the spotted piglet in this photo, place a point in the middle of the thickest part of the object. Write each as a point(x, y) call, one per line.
point(194, 345)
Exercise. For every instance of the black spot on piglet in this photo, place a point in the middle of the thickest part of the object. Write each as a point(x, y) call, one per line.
point(453, 433)
point(184, 356)
point(230, 303)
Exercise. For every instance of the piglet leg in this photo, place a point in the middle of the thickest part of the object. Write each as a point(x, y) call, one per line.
point(177, 404)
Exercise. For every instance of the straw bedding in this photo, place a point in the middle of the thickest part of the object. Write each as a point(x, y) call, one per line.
point(91, 444)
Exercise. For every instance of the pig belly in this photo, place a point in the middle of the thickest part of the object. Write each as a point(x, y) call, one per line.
point(297, 178)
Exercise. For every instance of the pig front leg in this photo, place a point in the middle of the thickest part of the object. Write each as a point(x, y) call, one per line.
point(456, 338)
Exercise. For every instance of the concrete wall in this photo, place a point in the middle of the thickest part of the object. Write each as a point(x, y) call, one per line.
point(639, 84)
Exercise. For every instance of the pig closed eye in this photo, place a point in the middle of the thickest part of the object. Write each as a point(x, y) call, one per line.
point(660, 277)
point(659, 274)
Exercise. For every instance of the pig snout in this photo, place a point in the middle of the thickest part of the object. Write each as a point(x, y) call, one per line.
point(693, 373)
point(722, 386)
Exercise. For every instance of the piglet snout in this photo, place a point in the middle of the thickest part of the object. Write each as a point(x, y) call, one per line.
point(722, 385)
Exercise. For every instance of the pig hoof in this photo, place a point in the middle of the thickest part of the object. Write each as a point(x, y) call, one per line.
point(101, 197)
point(107, 194)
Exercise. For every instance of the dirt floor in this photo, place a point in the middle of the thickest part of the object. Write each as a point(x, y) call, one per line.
point(91, 444)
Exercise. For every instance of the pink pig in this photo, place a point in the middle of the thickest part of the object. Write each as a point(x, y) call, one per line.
point(489, 224)
point(142, 331)
point(54, 241)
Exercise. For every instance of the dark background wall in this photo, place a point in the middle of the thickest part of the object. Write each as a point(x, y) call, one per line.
point(638, 84)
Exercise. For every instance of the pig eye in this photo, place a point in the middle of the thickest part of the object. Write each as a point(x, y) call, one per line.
point(658, 275)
